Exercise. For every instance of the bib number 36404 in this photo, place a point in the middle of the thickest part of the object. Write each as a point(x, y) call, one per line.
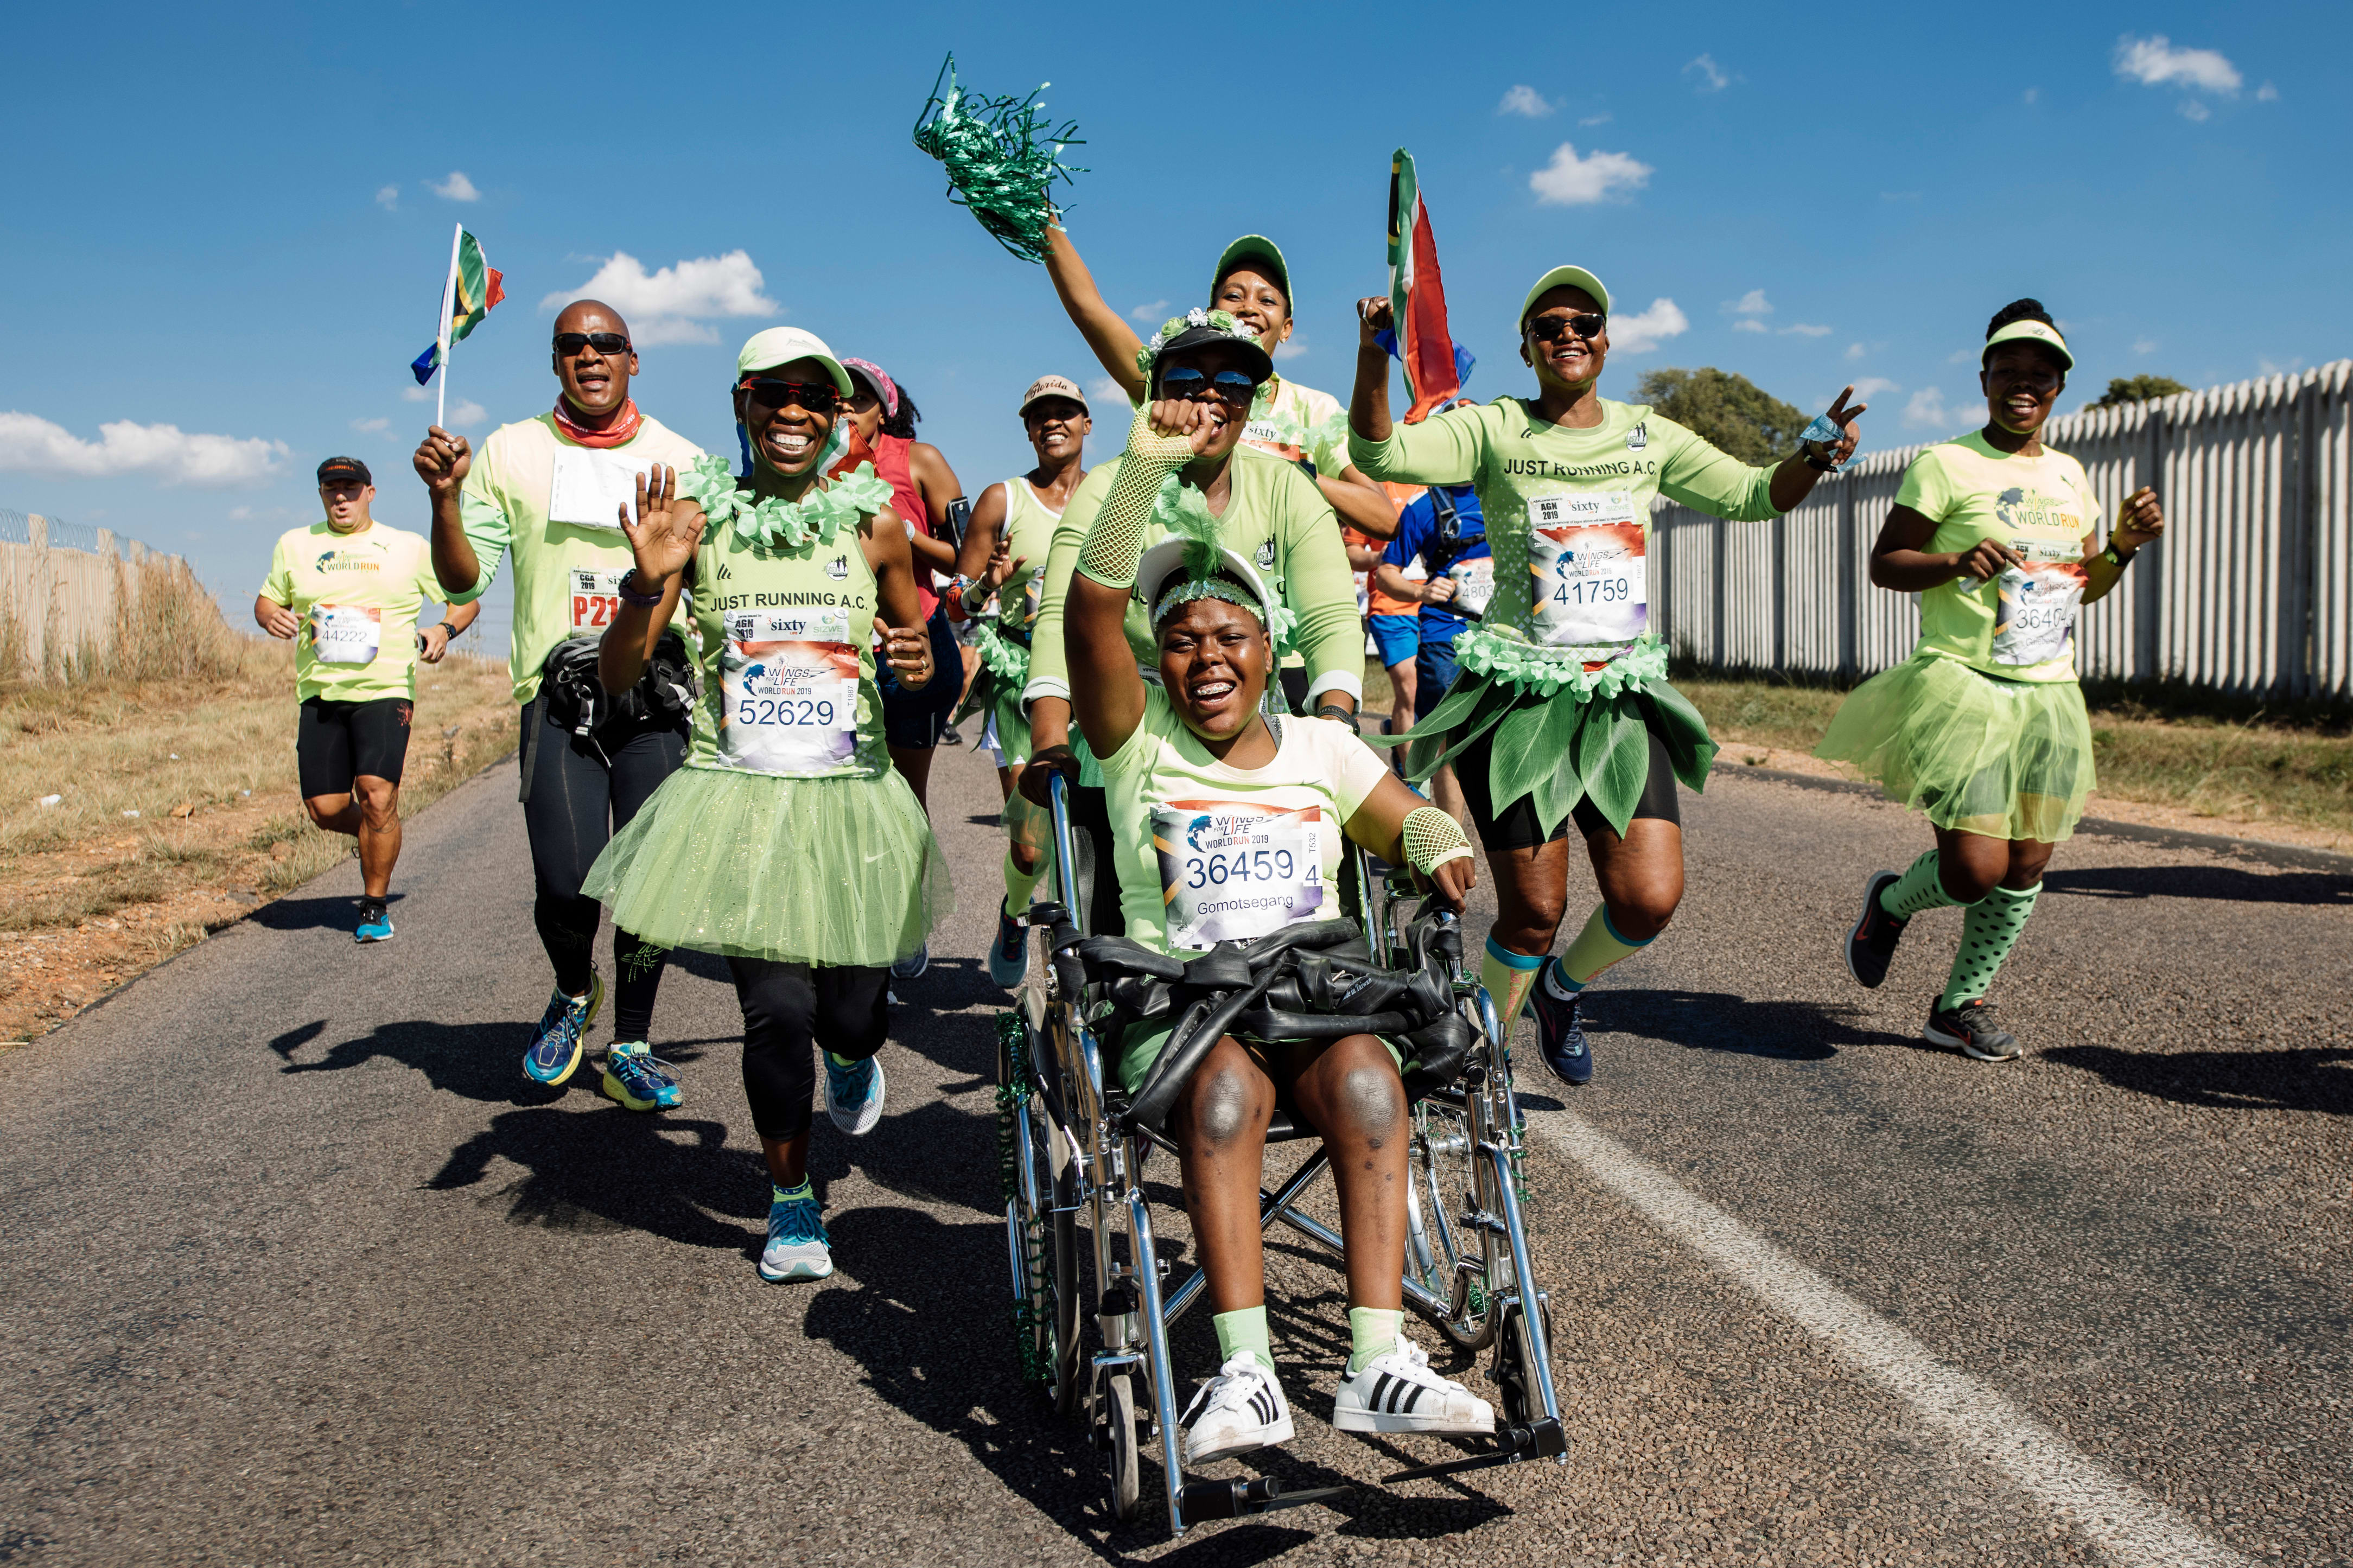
point(1233, 869)
point(2034, 613)
point(1589, 581)
point(788, 686)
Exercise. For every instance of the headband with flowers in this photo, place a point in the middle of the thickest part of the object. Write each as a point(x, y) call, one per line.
point(1176, 327)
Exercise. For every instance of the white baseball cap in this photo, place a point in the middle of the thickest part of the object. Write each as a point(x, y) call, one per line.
point(782, 345)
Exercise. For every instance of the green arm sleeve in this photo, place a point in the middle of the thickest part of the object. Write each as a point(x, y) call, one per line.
point(1693, 470)
point(486, 530)
point(1444, 450)
point(1115, 541)
point(1322, 592)
point(1049, 667)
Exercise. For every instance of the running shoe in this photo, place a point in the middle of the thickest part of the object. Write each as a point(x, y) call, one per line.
point(853, 1095)
point(555, 1053)
point(1560, 1036)
point(1396, 1392)
point(1240, 1409)
point(637, 1079)
point(799, 1247)
point(1974, 1028)
point(1872, 940)
point(375, 921)
point(1008, 960)
point(913, 964)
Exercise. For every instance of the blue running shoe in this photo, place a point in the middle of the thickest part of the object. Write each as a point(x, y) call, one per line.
point(637, 1079)
point(913, 966)
point(853, 1095)
point(375, 921)
point(1008, 960)
point(555, 1053)
point(799, 1247)
point(1560, 1036)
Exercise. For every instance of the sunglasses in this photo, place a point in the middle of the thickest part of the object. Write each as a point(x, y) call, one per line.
point(1193, 385)
point(1548, 329)
point(570, 344)
point(812, 396)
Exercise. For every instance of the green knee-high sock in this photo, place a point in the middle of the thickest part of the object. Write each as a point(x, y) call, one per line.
point(1921, 889)
point(1244, 1330)
point(1372, 1331)
point(1021, 885)
point(1989, 931)
point(1597, 947)
point(1508, 976)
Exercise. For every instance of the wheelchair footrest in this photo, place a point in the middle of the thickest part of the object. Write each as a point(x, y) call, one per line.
point(1539, 1440)
point(1260, 1494)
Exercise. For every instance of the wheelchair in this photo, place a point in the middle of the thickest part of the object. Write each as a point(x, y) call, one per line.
point(1072, 1144)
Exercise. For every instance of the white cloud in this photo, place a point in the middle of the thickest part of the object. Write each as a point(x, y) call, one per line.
point(1646, 330)
point(417, 395)
point(467, 414)
point(1603, 117)
point(1712, 77)
point(1526, 100)
point(1751, 308)
point(2033, 94)
point(2262, 366)
point(671, 306)
point(1570, 181)
point(1854, 350)
point(1807, 329)
point(166, 452)
point(1748, 325)
point(1104, 393)
point(1927, 410)
point(388, 198)
point(1291, 349)
point(456, 188)
point(1966, 356)
point(2267, 93)
point(2155, 62)
point(2194, 112)
point(1873, 385)
point(370, 426)
point(1156, 313)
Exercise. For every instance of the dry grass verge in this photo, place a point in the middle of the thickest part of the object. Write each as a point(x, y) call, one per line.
point(177, 809)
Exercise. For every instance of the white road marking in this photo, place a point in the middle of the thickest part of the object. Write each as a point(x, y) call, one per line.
point(2131, 1527)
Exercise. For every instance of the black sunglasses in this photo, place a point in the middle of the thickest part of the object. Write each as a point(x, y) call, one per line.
point(1586, 324)
point(814, 397)
point(1192, 386)
point(569, 343)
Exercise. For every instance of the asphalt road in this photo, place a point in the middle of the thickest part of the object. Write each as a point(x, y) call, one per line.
point(300, 1268)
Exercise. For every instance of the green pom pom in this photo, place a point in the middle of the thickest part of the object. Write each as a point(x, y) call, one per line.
point(1001, 157)
point(1184, 511)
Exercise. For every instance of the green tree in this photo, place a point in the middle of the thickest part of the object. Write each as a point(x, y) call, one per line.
point(1733, 412)
point(2139, 389)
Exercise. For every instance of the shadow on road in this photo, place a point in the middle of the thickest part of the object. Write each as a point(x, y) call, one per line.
point(613, 1170)
point(312, 914)
point(2219, 884)
point(1713, 1021)
point(476, 1061)
point(2318, 1079)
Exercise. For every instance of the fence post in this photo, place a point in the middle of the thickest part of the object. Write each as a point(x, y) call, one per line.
point(1845, 604)
point(1781, 592)
point(2148, 606)
point(1720, 538)
point(105, 542)
point(36, 531)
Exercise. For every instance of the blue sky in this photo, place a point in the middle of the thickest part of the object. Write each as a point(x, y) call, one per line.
point(233, 222)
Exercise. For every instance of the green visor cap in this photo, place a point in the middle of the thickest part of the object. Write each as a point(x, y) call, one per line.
point(2035, 332)
point(782, 345)
point(1252, 247)
point(1565, 278)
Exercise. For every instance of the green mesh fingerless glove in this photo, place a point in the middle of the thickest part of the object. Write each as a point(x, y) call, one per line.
point(1115, 542)
point(1432, 838)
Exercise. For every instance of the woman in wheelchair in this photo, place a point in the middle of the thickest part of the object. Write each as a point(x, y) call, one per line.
point(1227, 819)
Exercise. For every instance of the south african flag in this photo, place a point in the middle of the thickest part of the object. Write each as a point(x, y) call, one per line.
point(474, 287)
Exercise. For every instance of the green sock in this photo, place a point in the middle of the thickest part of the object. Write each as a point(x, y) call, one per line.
point(1989, 931)
point(843, 1061)
point(1021, 885)
point(1372, 1331)
point(1507, 975)
point(778, 1195)
point(1597, 947)
point(1244, 1330)
point(1920, 889)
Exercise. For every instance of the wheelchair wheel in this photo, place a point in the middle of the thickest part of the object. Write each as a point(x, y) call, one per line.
point(1126, 1467)
point(1440, 1248)
point(1041, 1230)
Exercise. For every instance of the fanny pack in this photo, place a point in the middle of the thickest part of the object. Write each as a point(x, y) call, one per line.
point(576, 699)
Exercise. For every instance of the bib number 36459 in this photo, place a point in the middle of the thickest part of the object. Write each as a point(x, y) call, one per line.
point(788, 686)
point(1589, 581)
point(1235, 870)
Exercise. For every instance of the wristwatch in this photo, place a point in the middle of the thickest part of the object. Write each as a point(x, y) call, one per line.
point(1345, 715)
point(626, 588)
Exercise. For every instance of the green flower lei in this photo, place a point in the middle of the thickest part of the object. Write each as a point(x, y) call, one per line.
point(1002, 656)
point(1547, 671)
point(1175, 327)
point(775, 523)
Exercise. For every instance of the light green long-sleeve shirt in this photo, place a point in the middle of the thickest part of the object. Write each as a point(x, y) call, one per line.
point(1568, 512)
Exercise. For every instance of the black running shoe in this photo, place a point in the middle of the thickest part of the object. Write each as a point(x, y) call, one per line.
point(1872, 940)
point(1973, 1027)
point(1560, 1035)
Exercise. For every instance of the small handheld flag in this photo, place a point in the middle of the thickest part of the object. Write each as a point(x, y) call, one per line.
point(1435, 368)
point(468, 294)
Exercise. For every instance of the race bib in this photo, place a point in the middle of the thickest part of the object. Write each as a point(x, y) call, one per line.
point(590, 487)
point(2034, 615)
point(345, 633)
point(1475, 585)
point(1584, 553)
point(596, 598)
point(1231, 870)
point(788, 690)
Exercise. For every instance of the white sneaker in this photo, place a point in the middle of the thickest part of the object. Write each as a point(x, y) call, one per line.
point(853, 1095)
point(1396, 1392)
point(1240, 1409)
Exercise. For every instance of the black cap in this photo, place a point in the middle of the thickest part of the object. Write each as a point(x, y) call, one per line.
point(1255, 360)
point(344, 469)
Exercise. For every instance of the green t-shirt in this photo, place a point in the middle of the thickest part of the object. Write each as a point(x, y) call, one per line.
point(1568, 512)
point(1208, 852)
point(1276, 518)
point(566, 572)
point(2021, 625)
point(1293, 422)
point(358, 594)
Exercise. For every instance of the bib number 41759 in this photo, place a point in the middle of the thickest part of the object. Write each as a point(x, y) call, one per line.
point(1589, 576)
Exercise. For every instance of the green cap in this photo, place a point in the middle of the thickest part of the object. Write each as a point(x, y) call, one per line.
point(1565, 278)
point(782, 345)
point(2031, 330)
point(1252, 247)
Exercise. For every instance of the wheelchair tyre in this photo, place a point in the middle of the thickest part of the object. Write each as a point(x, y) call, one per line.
point(1445, 1183)
point(1126, 1461)
point(1041, 1230)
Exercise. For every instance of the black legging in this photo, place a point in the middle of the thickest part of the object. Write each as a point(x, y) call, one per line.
point(791, 1010)
point(574, 801)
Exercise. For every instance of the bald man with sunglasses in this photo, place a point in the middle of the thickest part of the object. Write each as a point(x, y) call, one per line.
point(547, 493)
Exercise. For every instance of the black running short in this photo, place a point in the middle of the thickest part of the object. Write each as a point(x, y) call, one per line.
point(335, 742)
point(914, 719)
point(1517, 827)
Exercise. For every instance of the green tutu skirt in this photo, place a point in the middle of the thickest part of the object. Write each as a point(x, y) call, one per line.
point(2007, 758)
point(840, 873)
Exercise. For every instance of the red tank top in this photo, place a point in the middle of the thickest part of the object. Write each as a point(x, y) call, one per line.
point(890, 463)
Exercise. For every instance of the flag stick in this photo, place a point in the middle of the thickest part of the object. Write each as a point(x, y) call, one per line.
point(441, 341)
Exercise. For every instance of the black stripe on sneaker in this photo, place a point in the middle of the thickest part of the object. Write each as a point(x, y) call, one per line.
point(1380, 1388)
point(1396, 1394)
point(1262, 1406)
point(1413, 1398)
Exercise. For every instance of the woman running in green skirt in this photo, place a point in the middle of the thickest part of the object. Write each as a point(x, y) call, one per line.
point(1983, 727)
point(788, 843)
point(1562, 712)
